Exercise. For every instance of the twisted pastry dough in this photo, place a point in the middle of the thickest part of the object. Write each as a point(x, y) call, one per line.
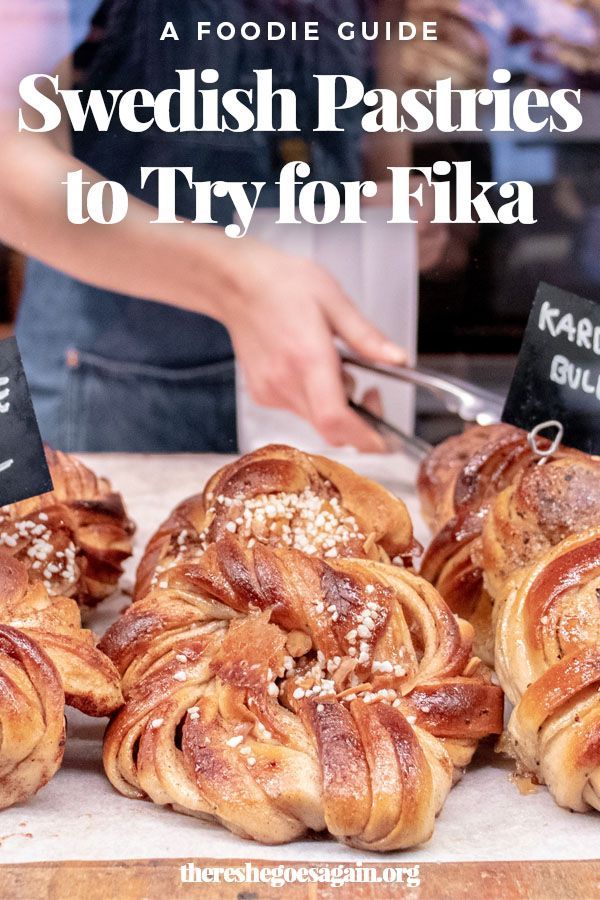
point(279, 693)
point(548, 661)
point(523, 555)
point(543, 505)
point(441, 469)
point(46, 660)
point(74, 539)
point(458, 484)
point(282, 497)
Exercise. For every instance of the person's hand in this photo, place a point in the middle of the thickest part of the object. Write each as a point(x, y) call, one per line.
point(283, 325)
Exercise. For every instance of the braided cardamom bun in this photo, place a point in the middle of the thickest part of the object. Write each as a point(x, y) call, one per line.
point(445, 464)
point(46, 660)
point(543, 505)
point(548, 661)
point(280, 693)
point(458, 484)
point(74, 539)
point(283, 497)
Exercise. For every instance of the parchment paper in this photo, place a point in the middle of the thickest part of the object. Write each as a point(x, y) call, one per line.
point(79, 816)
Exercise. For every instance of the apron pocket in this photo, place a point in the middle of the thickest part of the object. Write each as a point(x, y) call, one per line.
point(117, 406)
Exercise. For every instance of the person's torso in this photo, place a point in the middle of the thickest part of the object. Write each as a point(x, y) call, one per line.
point(131, 55)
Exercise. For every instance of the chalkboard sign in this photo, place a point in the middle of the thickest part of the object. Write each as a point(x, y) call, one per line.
point(558, 372)
point(23, 468)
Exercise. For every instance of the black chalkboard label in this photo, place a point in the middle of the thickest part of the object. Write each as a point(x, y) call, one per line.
point(23, 467)
point(558, 372)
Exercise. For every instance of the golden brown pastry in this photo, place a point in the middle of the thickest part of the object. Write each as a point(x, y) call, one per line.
point(521, 559)
point(283, 497)
point(280, 693)
point(460, 482)
point(73, 540)
point(542, 506)
point(548, 660)
point(457, 484)
point(438, 478)
point(46, 660)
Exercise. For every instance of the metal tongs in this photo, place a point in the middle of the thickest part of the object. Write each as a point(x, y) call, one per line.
point(470, 403)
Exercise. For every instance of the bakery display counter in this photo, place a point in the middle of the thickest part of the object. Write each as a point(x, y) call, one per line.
point(492, 836)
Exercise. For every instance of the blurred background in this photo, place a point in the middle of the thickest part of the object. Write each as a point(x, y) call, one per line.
point(474, 303)
point(474, 307)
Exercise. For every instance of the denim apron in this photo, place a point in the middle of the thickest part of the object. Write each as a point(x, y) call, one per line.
point(114, 373)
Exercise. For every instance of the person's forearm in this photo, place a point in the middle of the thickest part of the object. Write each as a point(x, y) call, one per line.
point(282, 312)
point(185, 265)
